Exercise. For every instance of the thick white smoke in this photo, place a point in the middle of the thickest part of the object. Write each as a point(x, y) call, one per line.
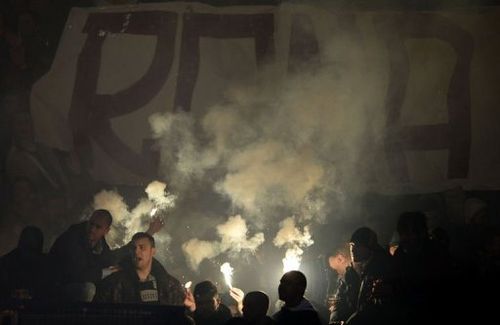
point(282, 146)
point(115, 204)
point(157, 193)
point(233, 236)
point(259, 171)
point(128, 222)
point(291, 237)
point(183, 158)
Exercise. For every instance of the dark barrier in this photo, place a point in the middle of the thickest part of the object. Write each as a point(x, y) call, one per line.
point(95, 314)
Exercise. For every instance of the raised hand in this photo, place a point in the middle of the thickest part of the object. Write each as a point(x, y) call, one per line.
point(189, 300)
point(155, 225)
point(238, 295)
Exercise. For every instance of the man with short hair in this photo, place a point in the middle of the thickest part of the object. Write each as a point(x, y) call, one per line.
point(297, 309)
point(82, 256)
point(343, 303)
point(255, 306)
point(208, 307)
point(142, 280)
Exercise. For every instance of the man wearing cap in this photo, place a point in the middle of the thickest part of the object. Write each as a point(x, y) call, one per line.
point(375, 269)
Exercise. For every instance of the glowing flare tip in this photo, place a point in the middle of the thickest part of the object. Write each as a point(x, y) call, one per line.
point(153, 212)
point(227, 270)
point(291, 262)
point(188, 284)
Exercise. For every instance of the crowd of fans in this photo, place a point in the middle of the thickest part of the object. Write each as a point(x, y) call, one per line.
point(408, 281)
point(375, 285)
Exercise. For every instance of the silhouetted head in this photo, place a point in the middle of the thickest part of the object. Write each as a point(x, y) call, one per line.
point(292, 288)
point(206, 298)
point(362, 244)
point(99, 225)
point(31, 240)
point(255, 305)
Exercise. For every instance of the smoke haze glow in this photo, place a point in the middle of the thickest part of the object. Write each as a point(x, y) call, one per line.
point(227, 270)
point(294, 239)
point(233, 236)
point(128, 222)
point(276, 147)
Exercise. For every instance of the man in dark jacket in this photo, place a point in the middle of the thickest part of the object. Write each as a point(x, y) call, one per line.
point(297, 309)
point(142, 280)
point(343, 303)
point(23, 271)
point(424, 267)
point(82, 256)
point(375, 269)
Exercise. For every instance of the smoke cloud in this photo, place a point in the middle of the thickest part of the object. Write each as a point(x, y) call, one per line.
point(156, 192)
point(128, 222)
point(279, 146)
point(294, 239)
point(233, 236)
point(290, 234)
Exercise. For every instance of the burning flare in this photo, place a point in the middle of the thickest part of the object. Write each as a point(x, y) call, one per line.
point(126, 221)
point(188, 284)
point(227, 270)
point(294, 239)
point(292, 259)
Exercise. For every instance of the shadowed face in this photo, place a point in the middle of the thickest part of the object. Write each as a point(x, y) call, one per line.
point(98, 228)
point(255, 305)
point(359, 252)
point(290, 289)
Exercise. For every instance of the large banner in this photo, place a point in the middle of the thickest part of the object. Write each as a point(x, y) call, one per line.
point(438, 73)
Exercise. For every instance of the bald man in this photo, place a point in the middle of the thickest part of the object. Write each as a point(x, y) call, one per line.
point(297, 309)
point(255, 306)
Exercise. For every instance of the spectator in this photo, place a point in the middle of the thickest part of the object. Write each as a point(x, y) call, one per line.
point(255, 306)
point(83, 257)
point(142, 280)
point(297, 309)
point(374, 267)
point(23, 271)
point(423, 266)
point(343, 304)
point(208, 309)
